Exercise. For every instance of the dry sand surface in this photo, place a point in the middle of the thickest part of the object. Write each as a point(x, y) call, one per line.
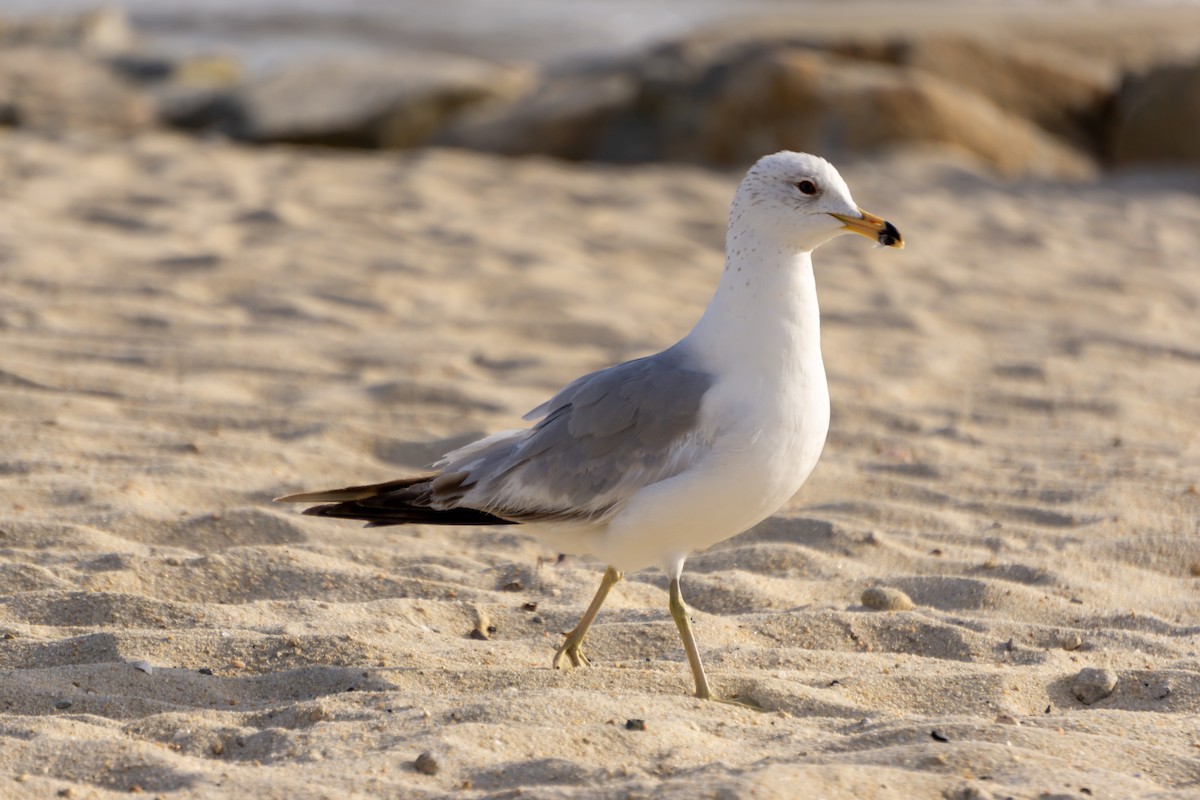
point(188, 329)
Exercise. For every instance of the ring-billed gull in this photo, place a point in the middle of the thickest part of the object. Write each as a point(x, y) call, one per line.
point(644, 462)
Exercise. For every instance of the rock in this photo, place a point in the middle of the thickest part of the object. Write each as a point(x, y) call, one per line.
point(1092, 685)
point(195, 108)
point(197, 71)
point(195, 93)
point(1070, 640)
point(426, 764)
point(1158, 117)
point(1155, 689)
point(727, 103)
point(805, 100)
point(102, 31)
point(206, 71)
point(142, 68)
point(1059, 92)
point(568, 115)
point(881, 598)
point(397, 102)
point(47, 89)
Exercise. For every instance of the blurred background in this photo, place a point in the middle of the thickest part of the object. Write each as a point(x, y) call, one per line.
point(257, 247)
point(1059, 90)
point(274, 32)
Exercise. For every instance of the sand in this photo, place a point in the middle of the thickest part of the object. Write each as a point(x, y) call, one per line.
point(189, 328)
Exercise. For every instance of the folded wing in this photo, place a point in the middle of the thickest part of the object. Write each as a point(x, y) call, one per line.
point(599, 440)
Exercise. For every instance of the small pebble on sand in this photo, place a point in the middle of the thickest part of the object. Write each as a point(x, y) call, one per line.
point(1092, 685)
point(881, 598)
point(426, 764)
point(1070, 641)
point(973, 793)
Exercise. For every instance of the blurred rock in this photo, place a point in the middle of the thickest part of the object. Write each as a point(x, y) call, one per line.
point(1025, 104)
point(52, 89)
point(568, 114)
point(1092, 685)
point(808, 100)
point(88, 72)
point(1063, 93)
point(101, 31)
point(196, 108)
point(883, 598)
point(194, 94)
point(392, 103)
point(728, 104)
point(149, 68)
point(1158, 117)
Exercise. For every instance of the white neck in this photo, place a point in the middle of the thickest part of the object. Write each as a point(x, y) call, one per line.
point(764, 317)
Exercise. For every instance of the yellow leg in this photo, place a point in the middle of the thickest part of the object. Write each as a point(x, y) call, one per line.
point(572, 648)
point(679, 613)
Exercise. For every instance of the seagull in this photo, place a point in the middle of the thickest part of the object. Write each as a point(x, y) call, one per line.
point(644, 462)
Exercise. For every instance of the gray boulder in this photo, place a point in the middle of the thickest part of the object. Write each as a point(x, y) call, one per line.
point(722, 102)
point(101, 31)
point(57, 89)
point(571, 113)
point(1158, 117)
point(804, 99)
point(1061, 92)
point(390, 103)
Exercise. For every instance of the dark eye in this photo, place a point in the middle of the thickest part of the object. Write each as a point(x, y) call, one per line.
point(807, 187)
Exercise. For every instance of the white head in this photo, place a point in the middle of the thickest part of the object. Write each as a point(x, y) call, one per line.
point(800, 202)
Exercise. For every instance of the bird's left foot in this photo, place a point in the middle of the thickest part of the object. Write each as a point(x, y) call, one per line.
point(572, 651)
point(729, 701)
point(744, 704)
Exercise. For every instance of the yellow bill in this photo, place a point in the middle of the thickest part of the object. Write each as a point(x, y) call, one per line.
point(872, 227)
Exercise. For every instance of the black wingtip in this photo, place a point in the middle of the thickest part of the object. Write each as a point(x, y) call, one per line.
point(400, 502)
point(320, 511)
point(384, 516)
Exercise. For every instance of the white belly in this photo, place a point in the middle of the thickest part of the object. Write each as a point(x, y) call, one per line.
point(763, 451)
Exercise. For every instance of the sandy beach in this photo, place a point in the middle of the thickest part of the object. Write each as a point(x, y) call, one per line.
point(190, 328)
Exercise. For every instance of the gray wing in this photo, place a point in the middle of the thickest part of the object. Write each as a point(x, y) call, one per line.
point(601, 438)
